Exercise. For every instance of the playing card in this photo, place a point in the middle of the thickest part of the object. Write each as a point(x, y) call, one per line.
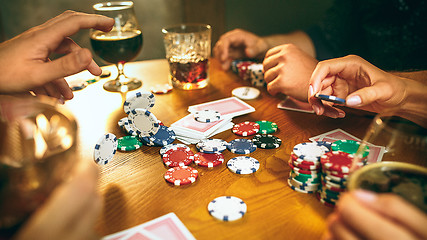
point(337, 134)
point(227, 107)
point(295, 105)
point(188, 126)
point(166, 227)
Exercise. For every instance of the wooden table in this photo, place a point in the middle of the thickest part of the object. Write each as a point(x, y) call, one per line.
point(133, 184)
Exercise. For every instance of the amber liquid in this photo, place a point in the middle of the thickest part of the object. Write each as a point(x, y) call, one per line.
point(189, 72)
point(114, 47)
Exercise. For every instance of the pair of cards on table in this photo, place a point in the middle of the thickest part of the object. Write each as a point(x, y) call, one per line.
point(166, 227)
point(190, 131)
point(375, 152)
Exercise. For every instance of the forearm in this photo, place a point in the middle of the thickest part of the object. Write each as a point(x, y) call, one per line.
point(414, 106)
point(419, 76)
point(298, 38)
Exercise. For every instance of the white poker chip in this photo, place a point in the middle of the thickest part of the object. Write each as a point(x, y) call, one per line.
point(144, 122)
point(129, 128)
point(122, 123)
point(105, 149)
point(246, 93)
point(211, 145)
point(309, 151)
point(243, 165)
point(207, 116)
point(161, 88)
point(166, 148)
point(136, 100)
point(227, 208)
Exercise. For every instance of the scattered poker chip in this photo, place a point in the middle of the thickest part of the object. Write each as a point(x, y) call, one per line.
point(105, 73)
point(329, 98)
point(241, 146)
point(144, 122)
point(266, 141)
point(90, 81)
point(129, 128)
point(348, 146)
point(209, 160)
point(267, 127)
point(227, 208)
point(178, 156)
point(122, 123)
point(245, 128)
point(243, 165)
point(309, 151)
point(77, 85)
point(144, 100)
point(163, 137)
point(246, 93)
point(105, 149)
point(337, 161)
point(207, 116)
point(297, 188)
point(211, 145)
point(166, 148)
point(181, 175)
point(161, 88)
point(128, 143)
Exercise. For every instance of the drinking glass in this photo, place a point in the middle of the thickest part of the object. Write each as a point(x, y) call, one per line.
point(37, 152)
point(122, 44)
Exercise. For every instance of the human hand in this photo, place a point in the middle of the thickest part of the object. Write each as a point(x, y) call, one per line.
point(365, 215)
point(24, 60)
point(362, 84)
point(287, 70)
point(70, 212)
point(238, 44)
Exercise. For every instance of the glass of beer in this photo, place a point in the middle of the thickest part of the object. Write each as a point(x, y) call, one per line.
point(37, 152)
point(122, 44)
point(188, 48)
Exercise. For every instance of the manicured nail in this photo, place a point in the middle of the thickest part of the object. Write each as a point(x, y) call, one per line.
point(365, 196)
point(354, 101)
point(341, 115)
point(311, 90)
point(316, 109)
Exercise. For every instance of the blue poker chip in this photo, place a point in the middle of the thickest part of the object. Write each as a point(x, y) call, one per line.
point(163, 137)
point(241, 146)
point(144, 100)
point(330, 98)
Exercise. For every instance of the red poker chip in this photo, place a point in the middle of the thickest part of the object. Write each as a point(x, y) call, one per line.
point(337, 161)
point(181, 175)
point(208, 159)
point(302, 161)
point(243, 69)
point(304, 166)
point(178, 157)
point(303, 171)
point(333, 188)
point(335, 174)
point(246, 128)
point(323, 201)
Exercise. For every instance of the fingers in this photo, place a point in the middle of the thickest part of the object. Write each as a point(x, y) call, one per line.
point(380, 91)
point(338, 230)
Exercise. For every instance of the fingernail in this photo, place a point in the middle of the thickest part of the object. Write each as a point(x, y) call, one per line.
point(316, 109)
point(354, 101)
point(365, 196)
point(341, 115)
point(311, 90)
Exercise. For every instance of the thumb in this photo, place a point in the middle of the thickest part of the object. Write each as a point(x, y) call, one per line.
point(70, 64)
point(379, 92)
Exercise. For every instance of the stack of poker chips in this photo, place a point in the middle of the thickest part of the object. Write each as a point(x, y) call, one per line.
point(249, 70)
point(305, 175)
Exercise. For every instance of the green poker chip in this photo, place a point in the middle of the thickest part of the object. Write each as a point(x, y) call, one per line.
point(90, 81)
point(128, 143)
point(267, 127)
point(348, 146)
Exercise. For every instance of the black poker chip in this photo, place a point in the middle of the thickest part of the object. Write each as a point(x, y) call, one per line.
point(266, 141)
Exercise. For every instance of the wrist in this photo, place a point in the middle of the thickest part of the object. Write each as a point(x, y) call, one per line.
point(414, 105)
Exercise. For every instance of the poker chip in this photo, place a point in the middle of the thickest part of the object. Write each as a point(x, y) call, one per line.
point(144, 100)
point(164, 136)
point(329, 98)
point(303, 171)
point(309, 151)
point(267, 127)
point(303, 186)
point(90, 81)
point(207, 116)
point(128, 143)
point(266, 141)
point(256, 75)
point(298, 160)
point(303, 179)
point(181, 175)
point(246, 93)
point(161, 88)
point(211, 145)
point(166, 148)
point(348, 146)
point(333, 188)
point(105, 149)
point(243, 70)
point(77, 85)
point(178, 156)
point(241, 146)
point(144, 122)
point(298, 189)
point(304, 167)
point(122, 123)
point(227, 208)
point(209, 160)
point(129, 128)
point(337, 161)
point(325, 202)
point(243, 165)
point(245, 128)
point(335, 179)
